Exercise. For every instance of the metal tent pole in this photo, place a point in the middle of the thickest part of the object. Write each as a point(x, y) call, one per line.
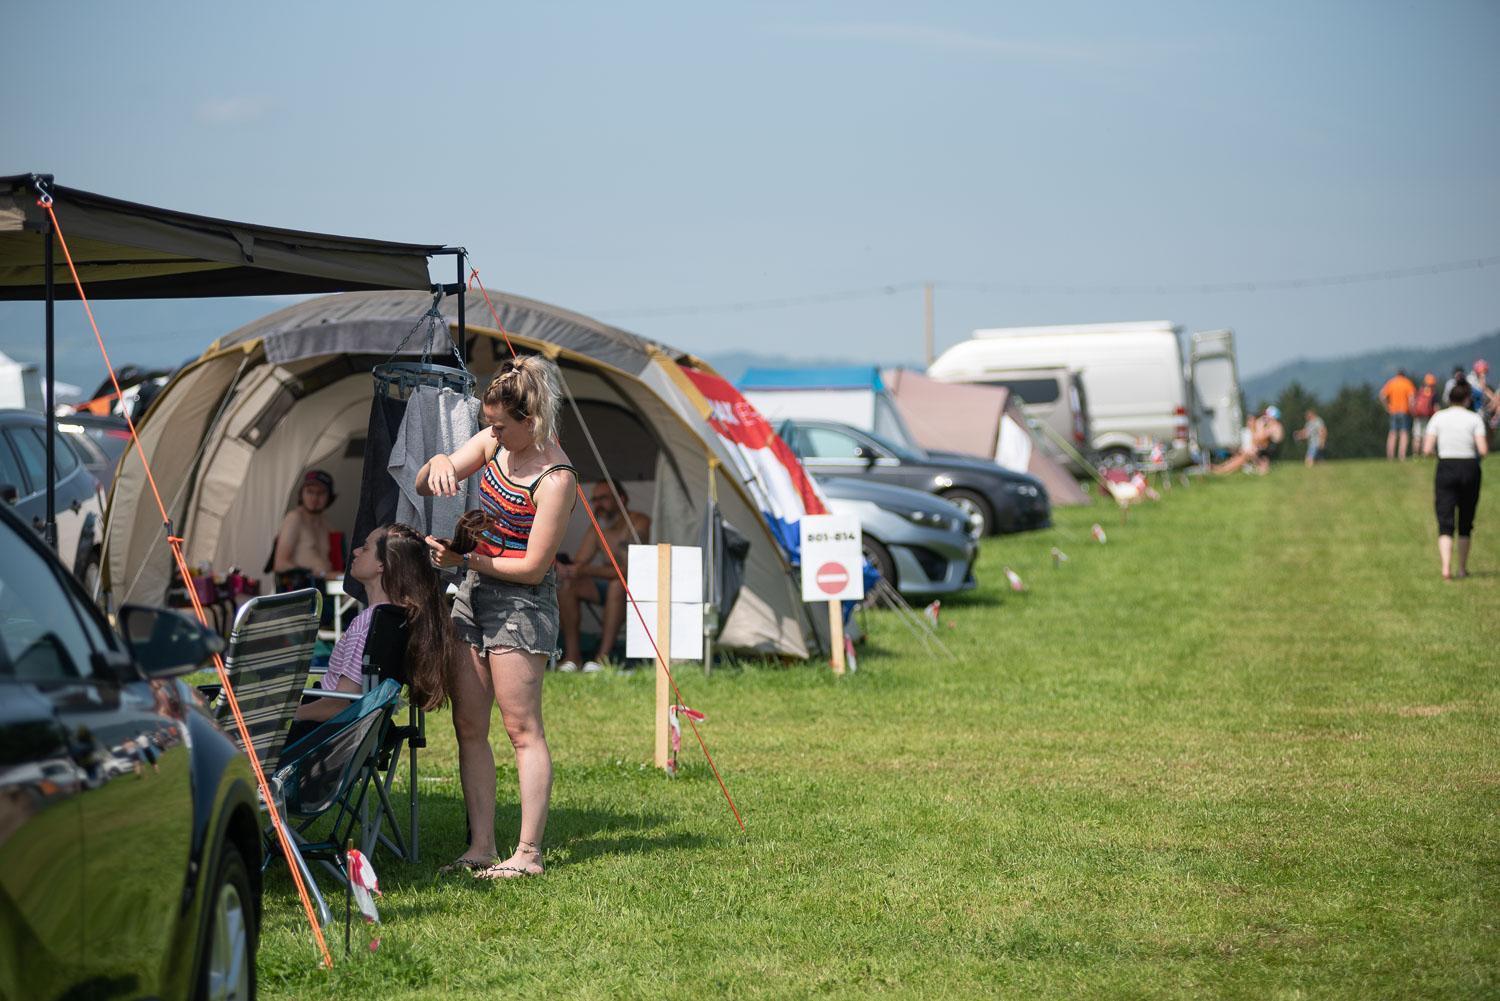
point(49, 531)
point(463, 293)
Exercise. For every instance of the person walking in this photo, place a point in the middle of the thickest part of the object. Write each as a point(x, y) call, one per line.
point(1457, 436)
point(506, 608)
point(1315, 433)
point(1397, 396)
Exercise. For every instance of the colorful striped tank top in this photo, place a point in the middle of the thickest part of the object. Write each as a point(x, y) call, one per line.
point(512, 508)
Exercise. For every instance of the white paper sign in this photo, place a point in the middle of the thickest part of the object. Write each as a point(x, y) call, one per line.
point(1014, 449)
point(687, 602)
point(832, 560)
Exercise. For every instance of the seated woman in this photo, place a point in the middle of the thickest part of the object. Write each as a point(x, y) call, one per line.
point(302, 554)
point(395, 568)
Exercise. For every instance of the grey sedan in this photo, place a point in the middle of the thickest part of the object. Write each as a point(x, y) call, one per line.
point(922, 544)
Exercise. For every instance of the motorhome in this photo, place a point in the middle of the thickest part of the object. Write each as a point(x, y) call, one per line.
point(1133, 378)
point(1219, 408)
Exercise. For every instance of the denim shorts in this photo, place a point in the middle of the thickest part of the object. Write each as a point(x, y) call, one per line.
point(490, 614)
point(1400, 422)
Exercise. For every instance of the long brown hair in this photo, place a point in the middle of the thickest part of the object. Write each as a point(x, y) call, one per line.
point(410, 581)
point(530, 389)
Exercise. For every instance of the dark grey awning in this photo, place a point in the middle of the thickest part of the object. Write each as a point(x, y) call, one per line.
point(129, 251)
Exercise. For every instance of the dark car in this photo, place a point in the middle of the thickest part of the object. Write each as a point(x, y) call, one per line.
point(998, 499)
point(923, 545)
point(99, 440)
point(130, 849)
point(79, 502)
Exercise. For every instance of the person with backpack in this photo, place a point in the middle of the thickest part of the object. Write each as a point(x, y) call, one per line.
point(1423, 406)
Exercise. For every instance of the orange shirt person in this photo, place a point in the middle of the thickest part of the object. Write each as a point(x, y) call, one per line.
point(1397, 395)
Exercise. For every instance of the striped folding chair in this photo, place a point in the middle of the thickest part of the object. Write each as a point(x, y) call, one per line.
point(268, 659)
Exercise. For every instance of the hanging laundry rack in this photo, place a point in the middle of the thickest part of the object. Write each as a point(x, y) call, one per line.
point(398, 380)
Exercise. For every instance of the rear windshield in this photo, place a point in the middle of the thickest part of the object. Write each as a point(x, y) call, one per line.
point(1034, 391)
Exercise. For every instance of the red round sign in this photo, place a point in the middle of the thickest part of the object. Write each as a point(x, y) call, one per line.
point(832, 578)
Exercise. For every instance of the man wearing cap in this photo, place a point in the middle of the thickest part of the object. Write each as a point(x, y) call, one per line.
point(1397, 396)
point(302, 540)
point(1271, 433)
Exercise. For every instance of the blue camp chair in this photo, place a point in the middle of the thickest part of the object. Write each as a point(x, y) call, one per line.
point(326, 775)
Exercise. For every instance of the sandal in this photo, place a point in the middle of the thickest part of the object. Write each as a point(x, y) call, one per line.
point(466, 865)
point(498, 871)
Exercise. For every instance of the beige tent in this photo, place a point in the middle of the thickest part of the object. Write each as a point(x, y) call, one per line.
point(983, 421)
point(231, 433)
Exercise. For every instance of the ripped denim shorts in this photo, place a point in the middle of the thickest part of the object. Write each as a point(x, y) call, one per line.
point(490, 614)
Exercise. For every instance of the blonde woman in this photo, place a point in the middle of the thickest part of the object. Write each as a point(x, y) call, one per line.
point(506, 609)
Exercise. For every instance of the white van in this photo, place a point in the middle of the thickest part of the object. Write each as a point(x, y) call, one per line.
point(1133, 377)
point(1219, 409)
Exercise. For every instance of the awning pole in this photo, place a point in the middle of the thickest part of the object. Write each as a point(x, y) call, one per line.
point(463, 293)
point(49, 530)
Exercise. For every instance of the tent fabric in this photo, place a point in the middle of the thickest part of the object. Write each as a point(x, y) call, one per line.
point(838, 377)
point(124, 250)
point(983, 421)
point(303, 398)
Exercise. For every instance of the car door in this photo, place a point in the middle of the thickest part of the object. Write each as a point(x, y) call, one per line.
point(44, 656)
point(75, 493)
point(130, 736)
point(830, 452)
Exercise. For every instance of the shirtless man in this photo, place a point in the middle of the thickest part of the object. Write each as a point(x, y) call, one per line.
point(591, 578)
point(302, 539)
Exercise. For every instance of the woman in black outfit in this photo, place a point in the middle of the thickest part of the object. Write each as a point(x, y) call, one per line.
point(1457, 435)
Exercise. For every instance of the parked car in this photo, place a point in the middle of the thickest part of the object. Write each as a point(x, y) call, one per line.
point(79, 499)
point(100, 441)
point(998, 499)
point(1056, 408)
point(130, 849)
point(1133, 374)
point(923, 545)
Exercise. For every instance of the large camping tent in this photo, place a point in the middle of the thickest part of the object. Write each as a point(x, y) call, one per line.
point(230, 435)
point(983, 421)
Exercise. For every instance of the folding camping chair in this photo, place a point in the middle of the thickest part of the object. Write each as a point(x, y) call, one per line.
point(268, 659)
point(385, 659)
point(330, 771)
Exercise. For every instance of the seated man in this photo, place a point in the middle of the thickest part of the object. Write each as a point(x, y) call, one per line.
point(590, 577)
point(302, 555)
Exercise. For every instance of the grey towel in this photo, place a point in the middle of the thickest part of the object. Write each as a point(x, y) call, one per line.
point(437, 420)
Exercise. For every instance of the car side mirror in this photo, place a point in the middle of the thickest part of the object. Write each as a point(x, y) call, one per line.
point(167, 644)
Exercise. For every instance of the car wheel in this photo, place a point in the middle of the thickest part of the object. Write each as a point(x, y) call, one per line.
point(1116, 458)
point(228, 961)
point(975, 507)
point(879, 557)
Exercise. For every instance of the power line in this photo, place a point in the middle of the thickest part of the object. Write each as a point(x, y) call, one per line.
point(1027, 288)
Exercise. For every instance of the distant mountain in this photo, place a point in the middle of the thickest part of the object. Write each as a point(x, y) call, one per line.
point(1324, 377)
point(732, 364)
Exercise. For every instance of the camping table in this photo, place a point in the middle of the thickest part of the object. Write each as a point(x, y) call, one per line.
point(333, 590)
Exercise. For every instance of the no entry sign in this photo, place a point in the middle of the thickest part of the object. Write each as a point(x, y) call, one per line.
point(831, 558)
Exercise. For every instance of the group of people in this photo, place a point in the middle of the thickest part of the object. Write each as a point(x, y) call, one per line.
point(1260, 442)
point(515, 598)
point(1410, 407)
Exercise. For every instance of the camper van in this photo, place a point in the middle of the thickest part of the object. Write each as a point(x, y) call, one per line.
point(1133, 378)
point(1219, 410)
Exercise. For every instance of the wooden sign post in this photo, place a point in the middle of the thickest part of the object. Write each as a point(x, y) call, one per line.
point(667, 583)
point(832, 571)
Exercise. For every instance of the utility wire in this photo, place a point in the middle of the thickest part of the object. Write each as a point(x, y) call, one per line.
point(1154, 288)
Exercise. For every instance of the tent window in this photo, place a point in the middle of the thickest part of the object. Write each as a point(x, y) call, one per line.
point(355, 449)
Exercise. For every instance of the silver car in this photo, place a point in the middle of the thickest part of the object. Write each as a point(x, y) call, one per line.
point(79, 498)
point(923, 545)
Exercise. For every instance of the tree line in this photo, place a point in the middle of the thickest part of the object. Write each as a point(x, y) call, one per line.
point(1356, 419)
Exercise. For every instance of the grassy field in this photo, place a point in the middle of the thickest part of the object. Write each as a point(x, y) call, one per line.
point(1249, 748)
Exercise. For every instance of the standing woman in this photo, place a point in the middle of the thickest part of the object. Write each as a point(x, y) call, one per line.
point(506, 609)
point(1456, 433)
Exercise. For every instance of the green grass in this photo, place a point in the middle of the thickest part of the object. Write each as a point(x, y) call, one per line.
point(1248, 749)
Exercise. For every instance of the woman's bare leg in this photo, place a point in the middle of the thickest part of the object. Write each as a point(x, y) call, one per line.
point(473, 695)
point(1463, 556)
point(517, 680)
point(1445, 553)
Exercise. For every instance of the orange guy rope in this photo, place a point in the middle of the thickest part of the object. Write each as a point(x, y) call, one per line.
point(175, 541)
point(604, 544)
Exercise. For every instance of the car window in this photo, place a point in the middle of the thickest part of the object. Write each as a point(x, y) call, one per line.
point(41, 637)
point(1033, 391)
point(33, 458)
point(823, 443)
point(10, 468)
point(66, 458)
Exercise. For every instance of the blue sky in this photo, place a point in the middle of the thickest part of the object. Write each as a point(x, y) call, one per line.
point(613, 157)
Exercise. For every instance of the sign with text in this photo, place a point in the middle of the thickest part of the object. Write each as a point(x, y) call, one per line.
point(832, 560)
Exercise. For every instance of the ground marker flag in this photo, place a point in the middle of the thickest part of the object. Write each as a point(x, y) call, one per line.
point(1015, 580)
point(672, 721)
point(849, 657)
point(364, 887)
point(1058, 558)
point(932, 611)
point(1099, 535)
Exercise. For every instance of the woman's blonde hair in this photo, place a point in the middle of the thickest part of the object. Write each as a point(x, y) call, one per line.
point(530, 389)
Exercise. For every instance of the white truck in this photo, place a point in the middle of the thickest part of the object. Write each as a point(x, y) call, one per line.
point(1219, 407)
point(1133, 377)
